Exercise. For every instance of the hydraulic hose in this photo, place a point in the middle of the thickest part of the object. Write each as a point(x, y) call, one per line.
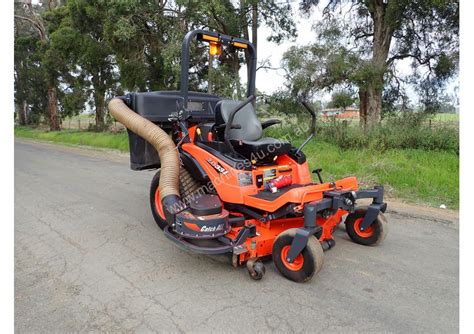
point(164, 145)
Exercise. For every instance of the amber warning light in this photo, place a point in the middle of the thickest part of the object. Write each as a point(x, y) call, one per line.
point(214, 49)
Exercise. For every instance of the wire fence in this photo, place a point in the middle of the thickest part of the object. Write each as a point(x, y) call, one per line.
point(441, 124)
point(86, 123)
point(89, 123)
point(325, 121)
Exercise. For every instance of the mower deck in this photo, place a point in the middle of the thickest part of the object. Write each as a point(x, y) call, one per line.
point(255, 238)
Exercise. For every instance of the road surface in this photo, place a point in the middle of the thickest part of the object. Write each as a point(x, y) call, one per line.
point(89, 257)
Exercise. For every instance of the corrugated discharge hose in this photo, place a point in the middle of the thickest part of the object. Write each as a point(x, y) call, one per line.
point(161, 141)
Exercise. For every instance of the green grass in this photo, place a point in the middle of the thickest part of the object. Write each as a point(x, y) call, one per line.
point(446, 117)
point(418, 176)
point(415, 175)
point(118, 141)
point(394, 133)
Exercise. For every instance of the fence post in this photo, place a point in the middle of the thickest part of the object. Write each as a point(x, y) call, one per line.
point(79, 124)
point(430, 123)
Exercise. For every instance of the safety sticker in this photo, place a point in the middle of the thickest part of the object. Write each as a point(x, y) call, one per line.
point(269, 174)
point(245, 179)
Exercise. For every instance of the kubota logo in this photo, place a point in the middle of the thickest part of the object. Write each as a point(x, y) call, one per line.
point(217, 166)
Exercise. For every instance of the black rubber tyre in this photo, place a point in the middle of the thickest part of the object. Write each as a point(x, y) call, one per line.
point(187, 185)
point(308, 263)
point(256, 269)
point(374, 235)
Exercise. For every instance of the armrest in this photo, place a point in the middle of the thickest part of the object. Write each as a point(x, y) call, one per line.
point(233, 126)
point(270, 122)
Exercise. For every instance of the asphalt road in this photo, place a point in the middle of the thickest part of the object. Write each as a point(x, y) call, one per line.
point(89, 257)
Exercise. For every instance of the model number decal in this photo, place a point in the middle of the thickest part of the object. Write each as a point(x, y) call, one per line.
point(217, 166)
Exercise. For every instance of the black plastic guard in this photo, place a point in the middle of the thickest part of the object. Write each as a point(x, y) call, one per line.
point(142, 154)
point(310, 228)
point(377, 205)
point(184, 244)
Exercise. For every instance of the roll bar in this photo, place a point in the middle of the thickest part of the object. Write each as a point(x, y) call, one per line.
point(224, 40)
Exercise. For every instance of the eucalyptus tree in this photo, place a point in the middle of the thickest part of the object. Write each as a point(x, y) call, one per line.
point(79, 51)
point(31, 39)
point(360, 42)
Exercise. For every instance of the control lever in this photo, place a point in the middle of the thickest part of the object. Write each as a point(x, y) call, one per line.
point(181, 117)
point(310, 110)
point(318, 171)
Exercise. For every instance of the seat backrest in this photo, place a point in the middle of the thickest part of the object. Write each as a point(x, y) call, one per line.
point(251, 128)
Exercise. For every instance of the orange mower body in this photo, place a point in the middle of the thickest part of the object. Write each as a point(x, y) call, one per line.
point(241, 193)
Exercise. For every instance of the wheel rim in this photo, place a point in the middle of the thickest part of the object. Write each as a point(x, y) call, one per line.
point(369, 231)
point(158, 206)
point(296, 265)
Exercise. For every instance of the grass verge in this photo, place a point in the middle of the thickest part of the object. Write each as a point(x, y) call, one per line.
point(415, 175)
point(118, 141)
point(429, 177)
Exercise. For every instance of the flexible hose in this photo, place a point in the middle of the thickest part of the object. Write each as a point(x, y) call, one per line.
point(161, 141)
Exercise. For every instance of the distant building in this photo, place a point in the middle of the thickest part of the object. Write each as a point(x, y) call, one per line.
point(348, 112)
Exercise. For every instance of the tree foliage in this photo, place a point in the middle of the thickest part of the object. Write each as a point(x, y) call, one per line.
point(359, 43)
point(30, 103)
point(95, 49)
point(342, 99)
point(31, 31)
point(79, 51)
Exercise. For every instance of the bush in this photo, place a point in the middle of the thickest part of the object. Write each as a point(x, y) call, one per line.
point(396, 132)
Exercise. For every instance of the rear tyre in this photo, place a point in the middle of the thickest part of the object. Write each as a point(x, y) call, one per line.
point(373, 235)
point(187, 186)
point(305, 265)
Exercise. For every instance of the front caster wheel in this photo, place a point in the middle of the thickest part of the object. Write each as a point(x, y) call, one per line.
point(373, 235)
point(256, 269)
point(305, 265)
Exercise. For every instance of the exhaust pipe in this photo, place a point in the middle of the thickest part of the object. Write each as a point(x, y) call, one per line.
point(164, 145)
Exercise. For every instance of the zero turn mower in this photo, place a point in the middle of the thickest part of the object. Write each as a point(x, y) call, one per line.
point(221, 187)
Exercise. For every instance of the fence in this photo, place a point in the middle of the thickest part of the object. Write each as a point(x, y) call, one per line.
point(292, 120)
point(84, 123)
point(435, 123)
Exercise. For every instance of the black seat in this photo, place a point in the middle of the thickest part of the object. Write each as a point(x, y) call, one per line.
point(248, 139)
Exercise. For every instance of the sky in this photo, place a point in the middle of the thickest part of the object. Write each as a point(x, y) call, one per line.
point(269, 81)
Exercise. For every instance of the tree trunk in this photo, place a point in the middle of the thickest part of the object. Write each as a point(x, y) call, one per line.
point(363, 108)
point(22, 113)
point(370, 107)
point(371, 97)
point(53, 109)
point(99, 108)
